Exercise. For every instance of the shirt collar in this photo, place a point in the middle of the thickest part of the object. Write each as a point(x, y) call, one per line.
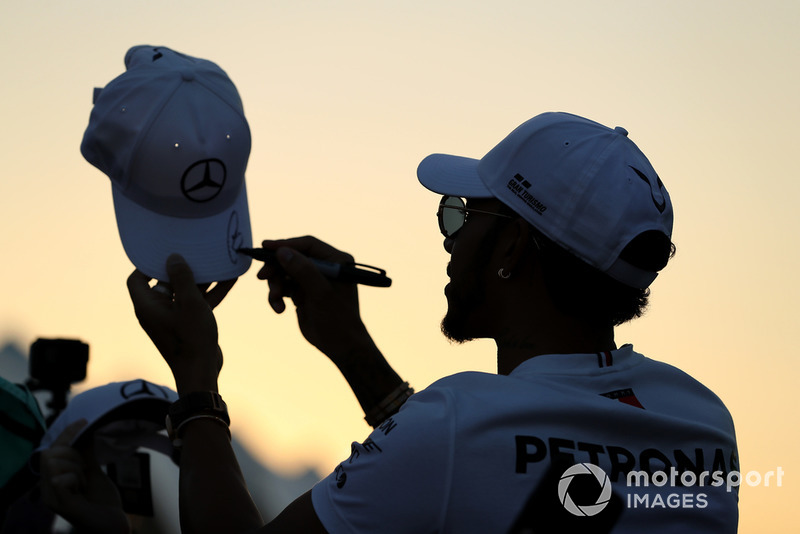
point(579, 364)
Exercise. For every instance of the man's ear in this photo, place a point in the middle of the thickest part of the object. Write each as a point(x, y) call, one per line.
point(516, 238)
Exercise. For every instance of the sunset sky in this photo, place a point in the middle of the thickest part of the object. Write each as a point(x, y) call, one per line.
point(344, 99)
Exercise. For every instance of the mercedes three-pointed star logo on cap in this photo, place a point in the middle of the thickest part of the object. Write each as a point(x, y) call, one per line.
point(203, 180)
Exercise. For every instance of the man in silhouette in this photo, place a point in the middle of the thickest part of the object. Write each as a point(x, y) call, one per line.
point(554, 238)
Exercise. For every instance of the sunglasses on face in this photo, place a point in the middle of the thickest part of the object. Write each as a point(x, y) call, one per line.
point(453, 212)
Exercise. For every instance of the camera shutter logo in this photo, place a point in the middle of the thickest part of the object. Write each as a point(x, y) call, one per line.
point(602, 499)
point(203, 180)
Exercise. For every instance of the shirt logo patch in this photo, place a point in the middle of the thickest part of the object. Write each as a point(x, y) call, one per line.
point(624, 395)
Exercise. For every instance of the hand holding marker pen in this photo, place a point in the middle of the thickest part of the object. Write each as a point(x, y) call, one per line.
point(356, 273)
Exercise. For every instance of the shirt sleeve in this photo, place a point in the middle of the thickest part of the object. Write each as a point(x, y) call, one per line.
point(398, 480)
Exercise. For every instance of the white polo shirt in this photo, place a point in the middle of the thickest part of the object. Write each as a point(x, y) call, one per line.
point(484, 453)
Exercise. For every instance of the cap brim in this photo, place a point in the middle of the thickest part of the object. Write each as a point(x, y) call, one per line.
point(452, 175)
point(209, 244)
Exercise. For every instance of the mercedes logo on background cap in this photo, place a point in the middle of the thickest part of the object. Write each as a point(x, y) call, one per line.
point(141, 387)
point(203, 180)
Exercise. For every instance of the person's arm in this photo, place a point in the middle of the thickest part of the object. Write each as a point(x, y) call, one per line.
point(213, 494)
point(329, 318)
point(299, 516)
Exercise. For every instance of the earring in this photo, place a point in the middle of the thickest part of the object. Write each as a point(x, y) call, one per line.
point(503, 274)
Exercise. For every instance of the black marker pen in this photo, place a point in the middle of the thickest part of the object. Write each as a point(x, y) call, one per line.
point(356, 273)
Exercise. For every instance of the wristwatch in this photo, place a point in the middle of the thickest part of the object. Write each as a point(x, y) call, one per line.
point(195, 405)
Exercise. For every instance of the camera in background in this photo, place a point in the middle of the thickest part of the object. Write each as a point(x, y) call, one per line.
point(54, 365)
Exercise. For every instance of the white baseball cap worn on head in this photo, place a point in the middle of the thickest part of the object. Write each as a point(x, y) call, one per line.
point(585, 186)
point(121, 417)
point(171, 134)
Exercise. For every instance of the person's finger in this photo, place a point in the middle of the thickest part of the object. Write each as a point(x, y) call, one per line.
point(90, 462)
point(62, 470)
point(302, 270)
point(270, 269)
point(181, 277)
point(163, 288)
point(275, 299)
point(218, 292)
point(311, 247)
point(68, 483)
point(69, 433)
point(138, 286)
point(59, 459)
point(280, 286)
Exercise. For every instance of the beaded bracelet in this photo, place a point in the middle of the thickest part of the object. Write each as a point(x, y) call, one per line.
point(389, 405)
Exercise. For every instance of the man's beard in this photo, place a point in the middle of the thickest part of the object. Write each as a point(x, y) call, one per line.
point(466, 296)
point(461, 304)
